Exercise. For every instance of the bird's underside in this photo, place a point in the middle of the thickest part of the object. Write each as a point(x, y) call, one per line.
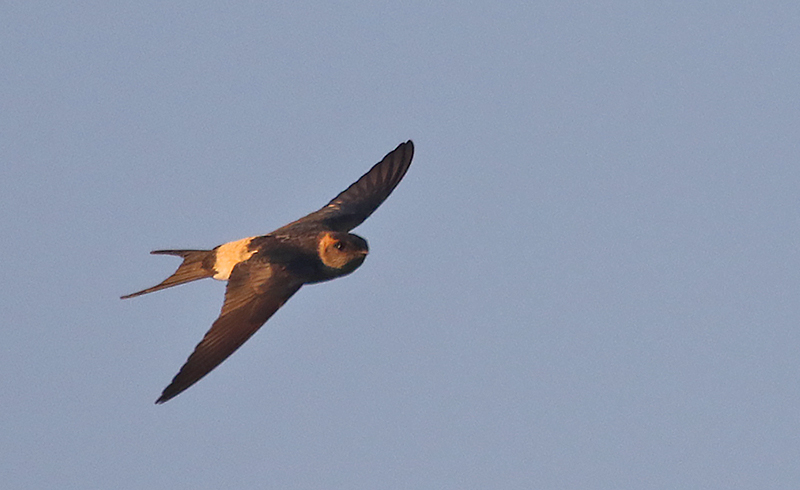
point(263, 272)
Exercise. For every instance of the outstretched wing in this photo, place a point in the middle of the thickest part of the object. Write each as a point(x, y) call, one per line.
point(256, 289)
point(352, 206)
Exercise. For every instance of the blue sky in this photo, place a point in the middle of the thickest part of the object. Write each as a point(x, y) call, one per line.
point(588, 279)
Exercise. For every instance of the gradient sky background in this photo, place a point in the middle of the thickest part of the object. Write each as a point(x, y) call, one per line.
point(588, 279)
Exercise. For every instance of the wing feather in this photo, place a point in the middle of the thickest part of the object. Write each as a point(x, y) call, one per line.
point(356, 203)
point(255, 291)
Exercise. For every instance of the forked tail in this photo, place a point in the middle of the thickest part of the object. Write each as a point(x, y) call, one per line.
point(194, 267)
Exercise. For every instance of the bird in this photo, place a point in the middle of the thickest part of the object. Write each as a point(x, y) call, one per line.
point(263, 272)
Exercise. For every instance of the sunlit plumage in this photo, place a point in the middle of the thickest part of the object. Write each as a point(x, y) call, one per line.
point(263, 272)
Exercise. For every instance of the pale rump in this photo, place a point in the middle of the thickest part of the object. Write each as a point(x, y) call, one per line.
point(230, 254)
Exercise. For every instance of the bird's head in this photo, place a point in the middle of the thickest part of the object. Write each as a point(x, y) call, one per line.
point(342, 252)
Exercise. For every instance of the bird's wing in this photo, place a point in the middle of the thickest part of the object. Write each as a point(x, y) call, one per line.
point(256, 289)
point(352, 206)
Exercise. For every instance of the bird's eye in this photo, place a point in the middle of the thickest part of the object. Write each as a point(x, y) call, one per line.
point(339, 246)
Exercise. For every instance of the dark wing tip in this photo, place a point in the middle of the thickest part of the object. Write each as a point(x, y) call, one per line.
point(176, 387)
point(356, 203)
point(167, 395)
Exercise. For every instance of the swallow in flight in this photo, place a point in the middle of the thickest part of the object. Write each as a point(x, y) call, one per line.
point(263, 272)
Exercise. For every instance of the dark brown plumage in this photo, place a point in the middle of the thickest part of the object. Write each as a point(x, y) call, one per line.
point(263, 272)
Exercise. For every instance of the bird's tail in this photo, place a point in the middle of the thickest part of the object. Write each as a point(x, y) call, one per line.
point(197, 264)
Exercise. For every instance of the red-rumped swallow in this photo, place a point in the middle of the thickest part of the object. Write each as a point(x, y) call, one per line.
point(263, 272)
